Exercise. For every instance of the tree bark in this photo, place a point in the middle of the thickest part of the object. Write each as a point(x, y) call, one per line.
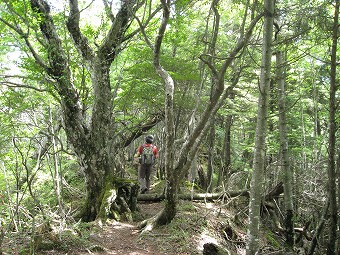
point(170, 208)
point(332, 138)
point(91, 141)
point(256, 186)
point(288, 174)
point(318, 230)
point(224, 172)
point(211, 146)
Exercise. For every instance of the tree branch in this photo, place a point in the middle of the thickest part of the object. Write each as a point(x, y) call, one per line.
point(110, 46)
point(143, 26)
point(35, 55)
point(80, 41)
point(140, 129)
point(18, 85)
point(219, 79)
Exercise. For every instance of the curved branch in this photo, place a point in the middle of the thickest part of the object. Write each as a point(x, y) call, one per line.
point(18, 85)
point(140, 129)
point(80, 41)
point(201, 127)
point(159, 39)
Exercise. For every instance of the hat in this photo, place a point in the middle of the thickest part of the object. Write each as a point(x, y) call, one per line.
point(149, 139)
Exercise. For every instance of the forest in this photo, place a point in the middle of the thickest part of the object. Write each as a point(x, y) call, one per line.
point(240, 96)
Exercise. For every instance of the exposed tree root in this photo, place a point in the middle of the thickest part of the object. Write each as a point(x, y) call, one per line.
point(149, 224)
point(119, 200)
point(164, 217)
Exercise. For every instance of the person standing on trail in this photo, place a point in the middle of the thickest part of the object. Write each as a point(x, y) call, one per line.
point(146, 154)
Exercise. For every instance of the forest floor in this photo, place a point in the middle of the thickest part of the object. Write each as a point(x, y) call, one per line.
point(195, 224)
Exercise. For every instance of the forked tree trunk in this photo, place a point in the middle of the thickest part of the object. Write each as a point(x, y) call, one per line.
point(90, 140)
point(256, 185)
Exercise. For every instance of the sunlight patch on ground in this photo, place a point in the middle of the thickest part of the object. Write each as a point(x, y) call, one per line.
point(205, 238)
point(216, 209)
point(241, 251)
point(120, 225)
point(209, 205)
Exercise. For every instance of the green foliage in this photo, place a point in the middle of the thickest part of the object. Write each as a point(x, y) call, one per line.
point(273, 240)
point(28, 102)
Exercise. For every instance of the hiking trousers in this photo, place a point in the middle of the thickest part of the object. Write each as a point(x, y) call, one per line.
point(144, 174)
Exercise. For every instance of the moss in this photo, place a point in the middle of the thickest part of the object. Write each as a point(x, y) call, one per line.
point(271, 238)
point(187, 206)
point(119, 198)
point(109, 195)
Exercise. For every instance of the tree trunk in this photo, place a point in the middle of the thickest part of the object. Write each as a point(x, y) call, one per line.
point(227, 146)
point(196, 196)
point(256, 188)
point(211, 146)
point(169, 211)
point(90, 141)
point(332, 139)
point(288, 174)
point(338, 195)
point(176, 170)
point(224, 172)
point(318, 230)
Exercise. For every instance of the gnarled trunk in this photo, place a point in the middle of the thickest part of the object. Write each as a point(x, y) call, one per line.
point(91, 140)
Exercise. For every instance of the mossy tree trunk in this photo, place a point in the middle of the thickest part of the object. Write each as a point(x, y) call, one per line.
point(118, 199)
point(91, 139)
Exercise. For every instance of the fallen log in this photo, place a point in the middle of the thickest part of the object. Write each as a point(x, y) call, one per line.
point(197, 196)
point(275, 192)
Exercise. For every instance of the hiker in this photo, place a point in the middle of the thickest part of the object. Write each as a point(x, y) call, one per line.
point(146, 153)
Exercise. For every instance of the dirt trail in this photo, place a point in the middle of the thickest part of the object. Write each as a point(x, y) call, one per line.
point(119, 238)
point(123, 239)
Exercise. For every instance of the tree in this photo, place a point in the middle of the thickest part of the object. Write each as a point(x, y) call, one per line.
point(331, 137)
point(288, 174)
point(90, 131)
point(256, 186)
point(175, 170)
